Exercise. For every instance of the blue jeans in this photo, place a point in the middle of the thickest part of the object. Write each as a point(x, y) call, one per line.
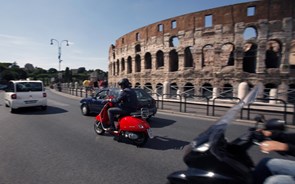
point(112, 112)
point(272, 171)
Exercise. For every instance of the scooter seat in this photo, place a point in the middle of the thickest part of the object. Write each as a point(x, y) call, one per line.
point(135, 114)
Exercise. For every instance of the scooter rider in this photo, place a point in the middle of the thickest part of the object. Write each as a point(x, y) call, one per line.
point(126, 102)
point(273, 170)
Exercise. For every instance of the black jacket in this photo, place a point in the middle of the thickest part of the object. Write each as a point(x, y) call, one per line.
point(288, 138)
point(127, 100)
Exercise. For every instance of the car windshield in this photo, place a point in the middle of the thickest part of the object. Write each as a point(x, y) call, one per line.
point(114, 92)
point(108, 93)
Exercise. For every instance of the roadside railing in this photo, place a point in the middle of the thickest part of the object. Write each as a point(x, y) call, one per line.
point(279, 107)
point(211, 107)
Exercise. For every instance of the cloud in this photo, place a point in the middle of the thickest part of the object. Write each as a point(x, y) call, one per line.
point(17, 43)
point(10, 40)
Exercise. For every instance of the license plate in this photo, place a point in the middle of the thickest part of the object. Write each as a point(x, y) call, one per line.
point(30, 101)
point(150, 133)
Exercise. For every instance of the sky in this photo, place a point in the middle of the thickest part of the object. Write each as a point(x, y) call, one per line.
point(90, 26)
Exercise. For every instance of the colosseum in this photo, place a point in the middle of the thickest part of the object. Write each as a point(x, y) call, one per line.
point(216, 52)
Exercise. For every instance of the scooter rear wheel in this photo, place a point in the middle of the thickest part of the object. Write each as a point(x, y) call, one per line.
point(142, 139)
point(98, 128)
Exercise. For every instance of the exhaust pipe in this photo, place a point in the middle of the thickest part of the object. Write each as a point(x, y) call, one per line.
point(131, 135)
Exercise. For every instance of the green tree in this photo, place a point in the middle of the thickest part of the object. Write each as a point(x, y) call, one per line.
point(81, 70)
point(8, 75)
point(52, 71)
point(5, 65)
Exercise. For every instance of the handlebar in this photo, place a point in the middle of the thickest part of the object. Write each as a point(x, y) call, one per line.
point(258, 137)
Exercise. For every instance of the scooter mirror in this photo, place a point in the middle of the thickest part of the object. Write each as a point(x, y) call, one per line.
point(259, 118)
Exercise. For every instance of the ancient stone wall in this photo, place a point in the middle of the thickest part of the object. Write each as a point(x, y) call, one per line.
point(212, 52)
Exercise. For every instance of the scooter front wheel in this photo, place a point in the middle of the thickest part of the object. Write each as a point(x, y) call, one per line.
point(141, 140)
point(98, 128)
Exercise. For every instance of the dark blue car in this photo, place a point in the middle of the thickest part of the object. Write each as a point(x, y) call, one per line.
point(94, 104)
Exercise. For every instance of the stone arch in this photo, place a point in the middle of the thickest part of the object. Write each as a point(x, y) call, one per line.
point(189, 89)
point(137, 63)
point(122, 64)
point(137, 85)
point(173, 41)
point(159, 89)
point(148, 60)
point(148, 87)
point(250, 33)
point(118, 67)
point(173, 61)
point(227, 57)
point(207, 90)
point(114, 68)
point(188, 57)
point(160, 59)
point(227, 90)
point(137, 36)
point(291, 94)
point(273, 54)
point(208, 55)
point(173, 24)
point(137, 48)
point(173, 89)
point(129, 64)
point(249, 60)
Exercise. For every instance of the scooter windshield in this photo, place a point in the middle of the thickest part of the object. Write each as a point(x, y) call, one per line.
point(214, 135)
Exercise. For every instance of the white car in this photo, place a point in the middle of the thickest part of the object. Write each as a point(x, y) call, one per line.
point(25, 93)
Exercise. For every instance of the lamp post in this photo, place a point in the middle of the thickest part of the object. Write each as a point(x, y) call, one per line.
point(59, 44)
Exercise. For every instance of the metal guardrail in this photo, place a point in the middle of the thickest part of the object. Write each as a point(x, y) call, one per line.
point(225, 98)
point(182, 101)
point(284, 105)
point(207, 100)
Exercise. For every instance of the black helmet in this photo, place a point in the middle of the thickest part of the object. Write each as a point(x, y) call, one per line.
point(124, 83)
point(275, 124)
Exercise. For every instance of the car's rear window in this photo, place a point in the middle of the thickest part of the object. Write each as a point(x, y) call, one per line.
point(141, 94)
point(28, 86)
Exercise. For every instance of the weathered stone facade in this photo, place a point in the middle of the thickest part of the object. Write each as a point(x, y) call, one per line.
point(210, 52)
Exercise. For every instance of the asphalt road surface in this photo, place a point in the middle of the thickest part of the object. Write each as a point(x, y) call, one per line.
point(59, 146)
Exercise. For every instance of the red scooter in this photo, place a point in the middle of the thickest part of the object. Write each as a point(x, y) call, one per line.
point(133, 127)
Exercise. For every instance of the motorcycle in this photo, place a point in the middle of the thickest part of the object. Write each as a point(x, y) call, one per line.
point(133, 127)
point(212, 159)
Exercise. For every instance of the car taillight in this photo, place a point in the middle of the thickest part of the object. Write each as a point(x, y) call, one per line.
point(44, 95)
point(13, 96)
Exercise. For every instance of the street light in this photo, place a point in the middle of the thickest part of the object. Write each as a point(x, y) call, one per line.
point(59, 49)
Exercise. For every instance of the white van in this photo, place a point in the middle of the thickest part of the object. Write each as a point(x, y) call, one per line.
point(25, 93)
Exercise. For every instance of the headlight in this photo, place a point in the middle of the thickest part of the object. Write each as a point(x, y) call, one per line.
point(202, 148)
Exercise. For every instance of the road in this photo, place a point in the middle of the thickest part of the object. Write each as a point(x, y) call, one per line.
point(59, 146)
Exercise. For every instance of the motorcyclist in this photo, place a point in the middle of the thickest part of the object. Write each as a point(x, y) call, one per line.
point(273, 170)
point(126, 102)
